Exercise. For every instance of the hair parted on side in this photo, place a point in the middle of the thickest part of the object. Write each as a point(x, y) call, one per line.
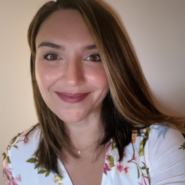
point(127, 106)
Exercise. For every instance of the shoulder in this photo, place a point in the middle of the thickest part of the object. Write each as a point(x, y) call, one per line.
point(164, 136)
point(21, 148)
point(159, 142)
point(158, 139)
point(25, 142)
point(156, 132)
point(164, 153)
point(25, 139)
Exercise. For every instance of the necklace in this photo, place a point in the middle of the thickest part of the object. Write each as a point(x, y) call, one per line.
point(80, 151)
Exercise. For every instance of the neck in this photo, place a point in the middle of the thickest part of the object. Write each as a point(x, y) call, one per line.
point(86, 134)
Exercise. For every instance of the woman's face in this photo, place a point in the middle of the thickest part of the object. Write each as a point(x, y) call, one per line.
point(68, 63)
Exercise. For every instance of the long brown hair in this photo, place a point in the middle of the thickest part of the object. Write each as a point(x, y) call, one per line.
point(128, 102)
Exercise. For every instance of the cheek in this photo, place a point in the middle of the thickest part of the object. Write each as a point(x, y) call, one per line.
point(45, 76)
point(97, 77)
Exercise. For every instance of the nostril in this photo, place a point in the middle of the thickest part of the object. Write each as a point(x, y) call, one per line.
point(73, 75)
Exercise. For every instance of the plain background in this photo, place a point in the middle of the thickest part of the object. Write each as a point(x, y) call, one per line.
point(157, 32)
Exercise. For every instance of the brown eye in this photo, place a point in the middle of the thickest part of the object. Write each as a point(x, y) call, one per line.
point(94, 57)
point(51, 56)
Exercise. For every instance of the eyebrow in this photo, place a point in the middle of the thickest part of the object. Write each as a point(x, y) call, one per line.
point(90, 47)
point(55, 46)
point(51, 45)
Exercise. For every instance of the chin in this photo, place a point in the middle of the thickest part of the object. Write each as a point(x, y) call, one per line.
point(68, 117)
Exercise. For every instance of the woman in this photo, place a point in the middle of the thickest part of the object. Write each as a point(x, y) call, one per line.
point(97, 122)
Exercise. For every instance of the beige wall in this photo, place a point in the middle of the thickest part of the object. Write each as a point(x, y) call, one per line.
point(156, 29)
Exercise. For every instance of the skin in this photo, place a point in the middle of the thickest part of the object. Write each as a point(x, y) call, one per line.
point(73, 70)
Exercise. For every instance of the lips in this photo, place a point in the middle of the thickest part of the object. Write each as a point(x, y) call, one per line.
point(72, 98)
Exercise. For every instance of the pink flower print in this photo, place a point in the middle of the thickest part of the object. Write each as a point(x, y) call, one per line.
point(133, 158)
point(106, 168)
point(119, 167)
point(144, 182)
point(126, 169)
point(7, 172)
point(144, 179)
point(9, 179)
point(107, 159)
point(19, 178)
point(23, 137)
point(26, 139)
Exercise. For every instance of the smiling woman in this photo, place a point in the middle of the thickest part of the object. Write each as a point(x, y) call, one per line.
point(97, 122)
point(68, 67)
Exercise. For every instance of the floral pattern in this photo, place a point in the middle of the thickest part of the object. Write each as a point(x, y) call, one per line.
point(9, 179)
point(7, 171)
point(57, 179)
point(124, 168)
point(43, 170)
point(182, 146)
point(133, 169)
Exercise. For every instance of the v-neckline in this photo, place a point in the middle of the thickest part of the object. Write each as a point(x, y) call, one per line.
point(66, 178)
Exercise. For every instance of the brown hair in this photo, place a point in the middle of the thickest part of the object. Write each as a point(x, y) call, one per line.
point(128, 103)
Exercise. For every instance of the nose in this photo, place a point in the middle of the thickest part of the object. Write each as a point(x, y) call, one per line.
point(73, 73)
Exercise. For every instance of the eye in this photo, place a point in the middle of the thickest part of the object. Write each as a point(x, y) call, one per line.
point(94, 57)
point(51, 56)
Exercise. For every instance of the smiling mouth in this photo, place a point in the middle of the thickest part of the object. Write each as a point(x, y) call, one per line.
point(72, 98)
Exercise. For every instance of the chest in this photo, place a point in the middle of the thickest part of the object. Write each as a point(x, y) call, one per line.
point(86, 172)
point(107, 170)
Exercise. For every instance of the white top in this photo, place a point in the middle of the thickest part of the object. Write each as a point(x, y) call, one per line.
point(156, 157)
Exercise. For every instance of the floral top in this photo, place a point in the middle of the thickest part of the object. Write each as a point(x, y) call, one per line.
point(156, 156)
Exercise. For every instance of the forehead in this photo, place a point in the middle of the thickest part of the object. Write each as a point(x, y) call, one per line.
point(66, 26)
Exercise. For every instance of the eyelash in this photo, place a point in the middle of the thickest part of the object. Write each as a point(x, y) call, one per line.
point(57, 57)
point(51, 54)
point(95, 54)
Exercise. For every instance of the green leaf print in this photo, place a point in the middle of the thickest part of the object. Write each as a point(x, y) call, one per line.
point(143, 142)
point(8, 159)
point(143, 167)
point(47, 173)
point(13, 140)
point(138, 172)
point(138, 168)
point(35, 161)
point(182, 146)
point(15, 146)
point(4, 156)
point(147, 170)
point(42, 171)
point(141, 148)
point(113, 146)
point(36, 165)
point(111, 159)
point(32, 160)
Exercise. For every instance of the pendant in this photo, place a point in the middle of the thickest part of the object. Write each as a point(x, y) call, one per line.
point(79, 152)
